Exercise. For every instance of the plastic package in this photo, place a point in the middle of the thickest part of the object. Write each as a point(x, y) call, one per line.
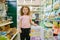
point(37, 33)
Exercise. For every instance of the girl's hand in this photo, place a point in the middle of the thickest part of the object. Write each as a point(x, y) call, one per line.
point(20, 31)
point(35, 25)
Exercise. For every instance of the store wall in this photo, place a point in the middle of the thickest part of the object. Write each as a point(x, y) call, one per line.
point(12, 11)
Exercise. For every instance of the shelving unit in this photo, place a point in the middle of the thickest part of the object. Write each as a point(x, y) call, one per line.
point(14, 35)
point(5, 15)
point(28, 2)
point(3, 24)
point(53, 6)
point(48, 24)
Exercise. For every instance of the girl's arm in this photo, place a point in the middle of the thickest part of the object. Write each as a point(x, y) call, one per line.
point(32, 22)
point(20, 25)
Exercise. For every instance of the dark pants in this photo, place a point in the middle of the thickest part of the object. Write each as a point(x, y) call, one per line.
point(55, 34)
point(25, 34)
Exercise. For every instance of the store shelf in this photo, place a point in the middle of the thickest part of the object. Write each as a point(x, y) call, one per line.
point(14, 35)
point(35, 11)
point(49, 25)
point(55, 5)
point(28, 5)
point(28, 2)
point(3, 24)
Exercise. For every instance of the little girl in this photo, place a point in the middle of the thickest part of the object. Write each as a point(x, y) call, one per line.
point(56, 28)
point(55, 33)
point(25, 23)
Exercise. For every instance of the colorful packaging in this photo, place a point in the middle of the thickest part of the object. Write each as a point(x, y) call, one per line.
point(36, 38)
point(37, 33)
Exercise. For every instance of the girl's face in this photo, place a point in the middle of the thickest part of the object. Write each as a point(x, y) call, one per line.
point(25, 10)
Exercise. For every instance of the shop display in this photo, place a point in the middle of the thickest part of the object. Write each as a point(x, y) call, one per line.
point(52, 8)
point(6, 32)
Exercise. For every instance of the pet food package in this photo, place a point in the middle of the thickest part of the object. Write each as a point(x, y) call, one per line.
point(37, 33)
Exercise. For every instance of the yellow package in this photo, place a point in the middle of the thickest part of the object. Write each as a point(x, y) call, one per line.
point(55, 23)
point(59, 25)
